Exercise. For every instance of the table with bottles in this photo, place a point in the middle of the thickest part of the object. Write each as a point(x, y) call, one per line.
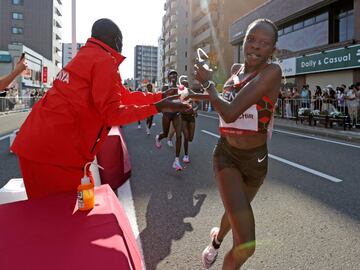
point(51, 233)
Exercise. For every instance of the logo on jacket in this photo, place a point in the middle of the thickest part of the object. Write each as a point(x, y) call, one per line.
point(63, 76)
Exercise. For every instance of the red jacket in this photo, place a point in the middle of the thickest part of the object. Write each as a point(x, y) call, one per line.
point(67, 126)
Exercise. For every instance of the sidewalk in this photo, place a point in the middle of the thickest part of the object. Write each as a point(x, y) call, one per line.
point(352, 135)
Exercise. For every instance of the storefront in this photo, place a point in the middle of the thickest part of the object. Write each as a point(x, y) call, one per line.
point(333, 67)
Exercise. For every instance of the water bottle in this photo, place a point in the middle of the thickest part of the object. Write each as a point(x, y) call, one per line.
point(85, 191)
point(202, 61)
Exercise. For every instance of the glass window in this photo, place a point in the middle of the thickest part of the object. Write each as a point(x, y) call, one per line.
point(17, 16)
point(288, 29)
point(309, 21)
point(304, 38)
point(17, 30)
point(298, 26)
point(322, 17)
point(18, 2)
point(345, 26)
point(281, 32)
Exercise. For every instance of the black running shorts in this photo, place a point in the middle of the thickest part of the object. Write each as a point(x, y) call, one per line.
point(252, 163)
point(188, 117)
point(171, 115)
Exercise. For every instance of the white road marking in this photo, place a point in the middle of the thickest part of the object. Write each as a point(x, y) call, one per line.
point(4, 137)
point(293, 164)
point(127, 202)
point(309, 170)
point(316, 138)
point(8, 135)
point(208, 116)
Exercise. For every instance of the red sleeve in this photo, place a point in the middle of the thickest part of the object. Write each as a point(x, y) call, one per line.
point(116, 104)
point(138, 98)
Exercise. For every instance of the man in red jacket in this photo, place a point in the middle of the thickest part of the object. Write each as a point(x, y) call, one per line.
point(66, 127)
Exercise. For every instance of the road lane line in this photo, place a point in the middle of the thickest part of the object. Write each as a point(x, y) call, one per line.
point(127, 202)
point(8, 135)
point(4, 137)
point(309, 170)
point(293, 164)
point(316, 138)
point(208, 116)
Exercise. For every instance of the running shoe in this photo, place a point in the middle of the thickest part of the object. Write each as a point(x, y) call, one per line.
point(157, 142)
point(147, 131)
point(177, 166)
point(186, 159)
point(170, 143)
point(209, 255)
point(139, 126)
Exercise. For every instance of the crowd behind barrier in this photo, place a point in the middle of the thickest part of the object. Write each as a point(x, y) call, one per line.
point(16, 104)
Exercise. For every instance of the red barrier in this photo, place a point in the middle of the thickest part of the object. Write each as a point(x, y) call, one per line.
point(114, 158)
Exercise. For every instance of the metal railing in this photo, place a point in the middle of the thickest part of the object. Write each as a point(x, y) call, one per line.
point(16, 104)
point(293, 108)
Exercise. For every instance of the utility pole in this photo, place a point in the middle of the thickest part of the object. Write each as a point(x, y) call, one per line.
point(73, 28)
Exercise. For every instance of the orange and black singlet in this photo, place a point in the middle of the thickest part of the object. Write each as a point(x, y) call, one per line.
point(256, 119)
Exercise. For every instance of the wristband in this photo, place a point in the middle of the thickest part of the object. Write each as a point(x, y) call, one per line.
point(208, 85)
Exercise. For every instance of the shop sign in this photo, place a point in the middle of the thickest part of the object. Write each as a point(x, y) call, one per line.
point(45, 75)
point(288, 67)
point(344, 58)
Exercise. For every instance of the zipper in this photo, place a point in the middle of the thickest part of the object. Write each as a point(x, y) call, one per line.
point(97, 140)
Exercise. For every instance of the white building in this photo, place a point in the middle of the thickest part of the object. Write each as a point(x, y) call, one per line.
point(67, 52)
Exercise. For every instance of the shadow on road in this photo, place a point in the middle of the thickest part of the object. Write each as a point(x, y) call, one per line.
point(166, 211)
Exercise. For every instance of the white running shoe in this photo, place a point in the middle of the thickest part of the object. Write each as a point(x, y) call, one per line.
point(147, 131)
point(209, 255)
point(186, 159)
point(176, 165)
point(157, 142)
point(170, 143)
point(139, 126)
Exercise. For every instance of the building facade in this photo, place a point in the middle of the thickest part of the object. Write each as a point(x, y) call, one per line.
point(176, 34)
point(192, 24)
point(35, 24)
point(67, 52)
point(210, 23)
point(145, 65)
point(319, 40)
point(160, 62)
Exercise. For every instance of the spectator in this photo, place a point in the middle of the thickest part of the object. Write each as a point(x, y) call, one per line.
point(67, 126)
point(305, 96)
point(318, 99)
point(296, 101)
point(7, 79)
point(288, 97)
point(353, 104)
point(341, 99)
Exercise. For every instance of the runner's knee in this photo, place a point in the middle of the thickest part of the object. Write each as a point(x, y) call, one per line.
point(244, 251)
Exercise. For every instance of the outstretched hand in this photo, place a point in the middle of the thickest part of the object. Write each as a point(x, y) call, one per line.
point(20, 65)
point(196, 96)
point(172, 104)
point(170, 92)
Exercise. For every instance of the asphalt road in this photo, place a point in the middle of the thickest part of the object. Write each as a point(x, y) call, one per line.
point(303, 220)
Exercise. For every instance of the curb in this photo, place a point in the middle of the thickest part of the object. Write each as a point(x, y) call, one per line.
point(314, 131)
